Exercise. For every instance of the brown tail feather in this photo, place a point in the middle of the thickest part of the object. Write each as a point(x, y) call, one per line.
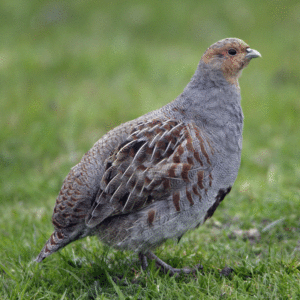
point(55, 242)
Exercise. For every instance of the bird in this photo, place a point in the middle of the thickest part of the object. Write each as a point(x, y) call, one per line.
point(158, 176)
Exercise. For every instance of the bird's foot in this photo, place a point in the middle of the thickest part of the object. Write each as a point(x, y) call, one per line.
point(143, 260)
point(164, 267)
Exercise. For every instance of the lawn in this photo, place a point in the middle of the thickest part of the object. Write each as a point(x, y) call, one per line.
point(72, 70)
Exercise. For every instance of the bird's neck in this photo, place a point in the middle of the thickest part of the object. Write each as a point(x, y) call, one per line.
point(208, 100)
point(208, 76)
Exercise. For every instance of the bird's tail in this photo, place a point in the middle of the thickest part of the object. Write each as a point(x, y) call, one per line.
point(56, 241)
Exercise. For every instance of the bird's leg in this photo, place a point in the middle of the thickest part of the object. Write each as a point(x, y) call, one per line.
point(143, 260)
point(167, 268)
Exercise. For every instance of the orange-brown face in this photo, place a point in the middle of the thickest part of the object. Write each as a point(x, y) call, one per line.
point(231, 56)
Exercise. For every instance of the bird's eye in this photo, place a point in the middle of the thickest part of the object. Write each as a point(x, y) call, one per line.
point(232, 52)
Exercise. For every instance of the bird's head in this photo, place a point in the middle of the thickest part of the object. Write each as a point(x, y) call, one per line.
point(230, 56)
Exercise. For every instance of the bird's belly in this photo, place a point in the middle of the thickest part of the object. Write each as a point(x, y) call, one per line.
point(133, 232)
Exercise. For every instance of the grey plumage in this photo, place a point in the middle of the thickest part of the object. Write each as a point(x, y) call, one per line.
point(164, 173)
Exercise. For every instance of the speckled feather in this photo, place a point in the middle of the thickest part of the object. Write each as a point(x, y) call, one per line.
point(159, 160)
point(164, 173)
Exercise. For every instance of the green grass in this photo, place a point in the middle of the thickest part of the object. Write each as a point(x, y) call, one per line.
point(70, 71)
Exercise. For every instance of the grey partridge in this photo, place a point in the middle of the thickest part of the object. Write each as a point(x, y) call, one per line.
point(164, 173)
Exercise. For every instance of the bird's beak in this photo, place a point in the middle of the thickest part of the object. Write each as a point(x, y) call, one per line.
point(251, 53)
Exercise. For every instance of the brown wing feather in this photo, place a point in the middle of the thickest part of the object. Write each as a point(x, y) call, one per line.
point(158, 160)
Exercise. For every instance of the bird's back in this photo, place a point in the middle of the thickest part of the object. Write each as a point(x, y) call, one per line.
point(81, 186)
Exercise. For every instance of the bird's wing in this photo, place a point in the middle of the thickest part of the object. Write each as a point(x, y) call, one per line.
point(157, 161)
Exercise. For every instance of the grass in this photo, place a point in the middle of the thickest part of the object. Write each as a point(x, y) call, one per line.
point(70, 71)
